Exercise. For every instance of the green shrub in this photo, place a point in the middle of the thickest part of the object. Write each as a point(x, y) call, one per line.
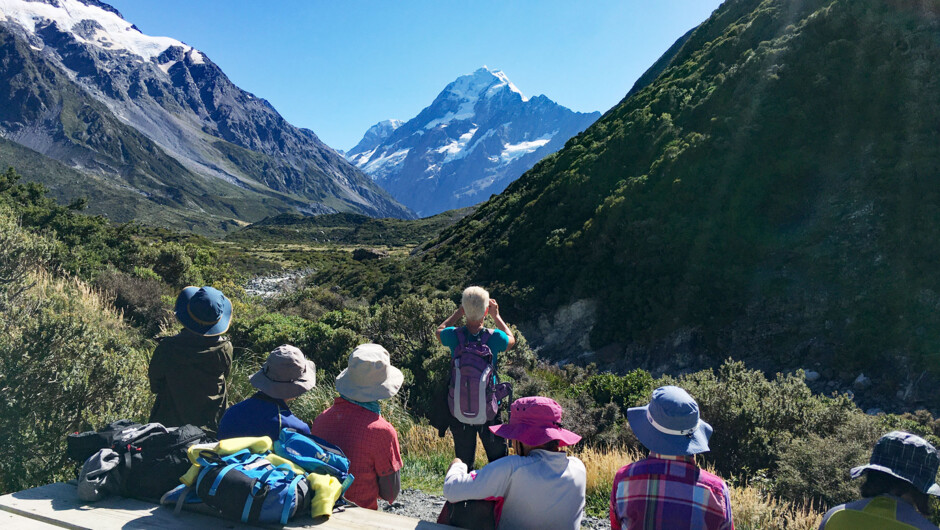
point(67, 363)
point(624, 391)
point(310, 302)
point(176, 267)
point(817, 467)
point(263, 334)
point(754, 418)
point(140, 298)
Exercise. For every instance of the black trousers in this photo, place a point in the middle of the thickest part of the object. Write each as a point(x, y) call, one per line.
point(465, 441)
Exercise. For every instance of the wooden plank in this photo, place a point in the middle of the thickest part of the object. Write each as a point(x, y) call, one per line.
point(9, 520)
point(58, 505)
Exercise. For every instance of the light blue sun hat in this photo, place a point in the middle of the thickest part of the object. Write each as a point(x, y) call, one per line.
point(670, 424)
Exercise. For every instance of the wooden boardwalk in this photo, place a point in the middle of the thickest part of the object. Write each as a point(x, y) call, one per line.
point(58, 506)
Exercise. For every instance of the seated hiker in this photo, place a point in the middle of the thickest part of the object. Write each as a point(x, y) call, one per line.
point(899, 477)
point(475, 305)
point(354, 423)
point(540, 485)
point(285, 375)
point(668, 490)
point(188, 371)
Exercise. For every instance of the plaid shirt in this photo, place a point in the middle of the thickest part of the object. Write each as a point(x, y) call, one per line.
point(669, 492)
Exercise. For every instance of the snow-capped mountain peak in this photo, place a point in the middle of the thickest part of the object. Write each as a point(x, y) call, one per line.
point(373, 137)
point(91, 23)
point(482, 83)
point(478, 135)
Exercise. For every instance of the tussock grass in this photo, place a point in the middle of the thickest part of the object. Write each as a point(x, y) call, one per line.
point(601, 466)
point(754, 510)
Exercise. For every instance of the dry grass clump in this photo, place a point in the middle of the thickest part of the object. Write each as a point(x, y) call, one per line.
point(422, 440)
point(602, 465)
point(753, 509)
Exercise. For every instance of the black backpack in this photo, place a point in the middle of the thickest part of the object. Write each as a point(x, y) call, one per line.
point(153, 464)
point(80, 446)
point(479, 514)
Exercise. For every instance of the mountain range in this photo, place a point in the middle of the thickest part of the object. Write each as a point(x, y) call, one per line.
point(478, 135)
point(151, 129)
point(769, 193)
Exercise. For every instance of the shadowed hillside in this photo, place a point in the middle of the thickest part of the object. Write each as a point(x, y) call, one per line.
point(772, 195)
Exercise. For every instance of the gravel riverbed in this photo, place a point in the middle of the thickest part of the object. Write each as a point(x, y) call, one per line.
point(276, 284)
point(421, 505)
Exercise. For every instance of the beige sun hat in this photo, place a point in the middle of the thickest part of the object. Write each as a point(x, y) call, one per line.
point(286, 374)
point(370, 375)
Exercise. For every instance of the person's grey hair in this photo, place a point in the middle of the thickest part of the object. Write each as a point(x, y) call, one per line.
point(474, 301)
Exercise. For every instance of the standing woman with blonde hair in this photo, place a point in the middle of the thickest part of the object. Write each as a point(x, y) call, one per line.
point(475, 305)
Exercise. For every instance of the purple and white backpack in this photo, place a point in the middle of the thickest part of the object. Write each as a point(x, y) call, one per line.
point(473, 396)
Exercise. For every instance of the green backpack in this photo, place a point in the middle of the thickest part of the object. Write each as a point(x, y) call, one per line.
point(879, 514)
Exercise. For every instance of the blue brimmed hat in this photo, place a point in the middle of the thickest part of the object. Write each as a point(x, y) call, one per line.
point(670, 424)
point(205, 311)
point(907, 457)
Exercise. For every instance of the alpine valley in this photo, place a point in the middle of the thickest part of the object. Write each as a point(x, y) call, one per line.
point(153, 129)
point(477, 136)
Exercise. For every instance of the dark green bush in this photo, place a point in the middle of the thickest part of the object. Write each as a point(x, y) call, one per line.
point(310, 302)
point(139, 298)
point(755, 418)
point(263, 334)
point(176, 267)
point(624, 391)
point(817, 466)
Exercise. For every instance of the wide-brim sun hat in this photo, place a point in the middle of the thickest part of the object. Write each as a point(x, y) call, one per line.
point(670, 424)
point(286, 374)
point(907, 457)
point(535, 421)
point(203, 310)
point(370, 375)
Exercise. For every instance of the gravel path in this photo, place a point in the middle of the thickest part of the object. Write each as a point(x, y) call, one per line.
point(418, 504)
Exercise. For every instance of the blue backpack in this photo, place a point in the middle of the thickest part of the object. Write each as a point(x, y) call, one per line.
point(314, 455)
point(246, 487)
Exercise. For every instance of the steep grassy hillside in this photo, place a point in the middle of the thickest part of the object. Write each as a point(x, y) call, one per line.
point(772, 194)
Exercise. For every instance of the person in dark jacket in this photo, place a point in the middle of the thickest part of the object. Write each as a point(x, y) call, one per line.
point(188, 371)
point(284, 377)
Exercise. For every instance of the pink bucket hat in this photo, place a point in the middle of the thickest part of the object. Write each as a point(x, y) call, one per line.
point(535, 421)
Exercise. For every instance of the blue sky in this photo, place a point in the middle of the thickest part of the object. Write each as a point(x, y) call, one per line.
point(339, 67)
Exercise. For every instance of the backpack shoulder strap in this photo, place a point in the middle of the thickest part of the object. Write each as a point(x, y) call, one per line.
point(461, 335)
point(485, 336)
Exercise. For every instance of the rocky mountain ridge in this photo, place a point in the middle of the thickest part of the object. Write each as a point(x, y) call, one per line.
point(181, 107)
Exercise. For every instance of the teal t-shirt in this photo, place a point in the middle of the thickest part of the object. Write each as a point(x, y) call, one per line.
point(497, 343)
